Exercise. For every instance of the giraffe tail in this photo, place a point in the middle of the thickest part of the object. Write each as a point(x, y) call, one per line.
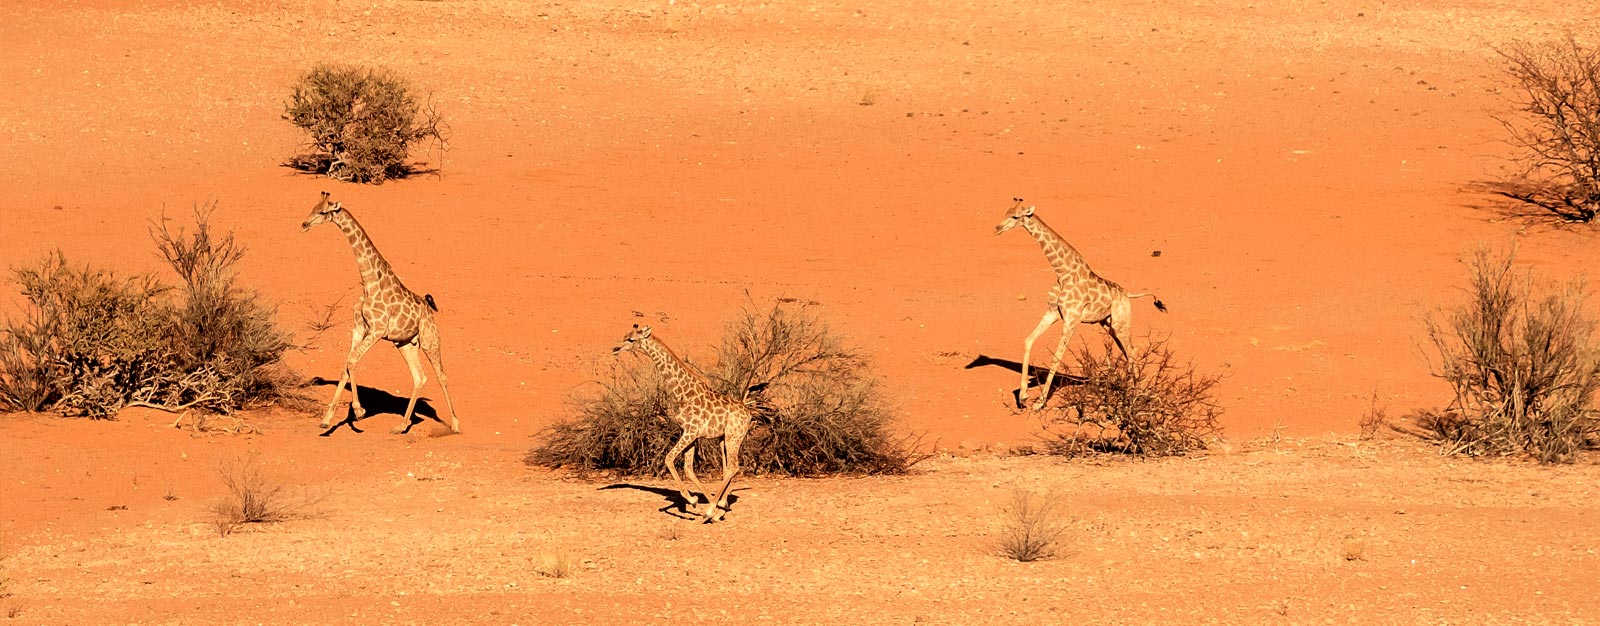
point(428, 297)
point(1160, 306)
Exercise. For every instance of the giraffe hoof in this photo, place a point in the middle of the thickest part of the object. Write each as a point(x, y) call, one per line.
point(399, 430)
point(359, 412)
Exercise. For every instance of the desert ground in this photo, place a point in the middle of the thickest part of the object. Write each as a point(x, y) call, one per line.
point(1306, 170)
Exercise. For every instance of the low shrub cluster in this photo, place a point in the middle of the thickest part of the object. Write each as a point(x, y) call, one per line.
point(1149, 404)
point(1521, 358)
point(363, 122)
point(90, 342)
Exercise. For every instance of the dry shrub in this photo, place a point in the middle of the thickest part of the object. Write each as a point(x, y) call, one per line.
point(1032, 529)
point(363, 122)
point(1375, 420)
point(817, 408)
point(1521, 359)
point(1557, 128)
point(1146, 405)
point(253, 498)
point(90, 342)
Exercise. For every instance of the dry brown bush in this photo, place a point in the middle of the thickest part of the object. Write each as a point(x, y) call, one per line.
point(90, 342)
point(1556, 128)
point(1148, 404)
point(363, 122)
point(253, 498)
point(817, 408)
point(1521, 359)
point(1032, 528)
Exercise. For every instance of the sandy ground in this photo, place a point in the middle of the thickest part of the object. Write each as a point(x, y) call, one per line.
point(1303, 167)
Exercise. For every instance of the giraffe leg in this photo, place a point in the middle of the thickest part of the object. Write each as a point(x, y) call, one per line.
point(730, 469)
point(683, 443)
point(1119, 325)
point(688, 468)
point(1061, 351)
point(1050, 318)
point(436, 359)
point(359, 345)
point(418, 379)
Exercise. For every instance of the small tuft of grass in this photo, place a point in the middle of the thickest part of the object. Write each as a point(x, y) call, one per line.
point(1354, 548)
point(552, 562)
point(253, 498)
point(1032, 530)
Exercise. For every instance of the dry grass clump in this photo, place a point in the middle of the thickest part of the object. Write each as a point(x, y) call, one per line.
point(1521, 358)
point(1149, 404)
point(817, 408)
point(1556, 87)
point(1032, 527)
point(253, 498)
point(90, 342)
point(363, 122)
point(552, 562)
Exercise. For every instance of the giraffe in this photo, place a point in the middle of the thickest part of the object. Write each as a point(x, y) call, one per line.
point(703, 413)
point(1080, 296)
point(388, 311)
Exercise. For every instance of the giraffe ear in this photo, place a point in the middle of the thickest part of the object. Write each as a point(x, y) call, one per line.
point(1028, 211)
point(644, 331)
point(337, 206)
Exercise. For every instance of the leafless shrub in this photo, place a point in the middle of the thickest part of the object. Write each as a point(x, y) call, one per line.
point(1032, 529)
point(1375, 420)
point(1147, 405)
point(818, 410)
point(253, 498)
point(363, 122)
point(1557, 127)
point(1521, 359)
point(90, 342)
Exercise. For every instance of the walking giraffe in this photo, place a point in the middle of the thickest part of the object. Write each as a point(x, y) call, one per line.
point(1079, 296)
point(703, 413)
point(387, 311)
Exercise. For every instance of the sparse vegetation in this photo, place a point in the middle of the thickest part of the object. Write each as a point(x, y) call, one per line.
point(1375, 420)
point(1147, 405)
point(1557, 127)
point(1521, 358)
point(552, 562)
point(253, 498)
point(818, 411)
point(90, 342)
point(1354, 548)
point(1032, 529)
point(363, 122)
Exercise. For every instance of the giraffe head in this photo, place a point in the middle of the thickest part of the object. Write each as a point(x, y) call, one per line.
point(633, 337)
point(320, 213)
point(1017, 214)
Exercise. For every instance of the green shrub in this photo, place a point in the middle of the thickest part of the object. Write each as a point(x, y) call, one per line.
point(363, 122)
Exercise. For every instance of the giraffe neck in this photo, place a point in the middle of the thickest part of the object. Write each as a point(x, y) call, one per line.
point(1062, 256)
point(374, 268)
point(682, 384)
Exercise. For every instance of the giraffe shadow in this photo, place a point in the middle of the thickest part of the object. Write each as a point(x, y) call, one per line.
point(1036, 375)
point(676, 506)
point(377, 402)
